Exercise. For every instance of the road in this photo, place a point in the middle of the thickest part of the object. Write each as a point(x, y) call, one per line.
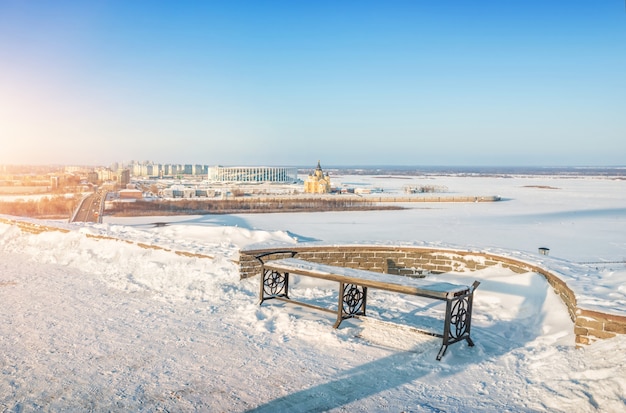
point(90, 209)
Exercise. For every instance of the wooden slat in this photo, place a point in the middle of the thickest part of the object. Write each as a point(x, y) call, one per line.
point(370, 279)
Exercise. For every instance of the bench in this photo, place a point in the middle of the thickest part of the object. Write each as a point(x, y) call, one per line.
point(353, 286)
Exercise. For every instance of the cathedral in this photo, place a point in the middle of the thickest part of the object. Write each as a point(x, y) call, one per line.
point(317, 183)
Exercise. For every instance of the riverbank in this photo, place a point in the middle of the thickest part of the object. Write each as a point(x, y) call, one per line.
point(277, 204)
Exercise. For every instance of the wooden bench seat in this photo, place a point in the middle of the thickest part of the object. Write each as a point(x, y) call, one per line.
point(353, 286)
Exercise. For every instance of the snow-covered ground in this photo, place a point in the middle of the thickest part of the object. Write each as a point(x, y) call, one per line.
point(101, 324)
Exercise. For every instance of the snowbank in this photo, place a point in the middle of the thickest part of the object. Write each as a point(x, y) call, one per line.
point(102, 324)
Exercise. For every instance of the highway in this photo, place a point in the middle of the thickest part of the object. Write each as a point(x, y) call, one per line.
point(90, 209)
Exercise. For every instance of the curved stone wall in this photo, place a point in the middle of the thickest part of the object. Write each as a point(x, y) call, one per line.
point(418, 261)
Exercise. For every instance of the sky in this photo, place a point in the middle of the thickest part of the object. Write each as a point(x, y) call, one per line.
point(289, 83)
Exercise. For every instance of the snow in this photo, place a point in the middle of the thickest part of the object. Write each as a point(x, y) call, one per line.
point(99, 318)
point(351, 275)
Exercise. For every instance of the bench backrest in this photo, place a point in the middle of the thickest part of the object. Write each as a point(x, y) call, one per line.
point(395, 283)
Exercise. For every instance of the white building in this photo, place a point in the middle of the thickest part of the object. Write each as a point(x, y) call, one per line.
point(253, 174)
point(104, 174)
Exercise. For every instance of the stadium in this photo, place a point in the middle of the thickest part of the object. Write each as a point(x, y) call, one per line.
point(253, 174)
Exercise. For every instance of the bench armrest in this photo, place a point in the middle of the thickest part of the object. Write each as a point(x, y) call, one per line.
point(475, 285)
point(265, 254)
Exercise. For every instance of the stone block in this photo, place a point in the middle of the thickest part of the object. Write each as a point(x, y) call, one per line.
point(589, 323)
point(583, 340)
point(615, 327)
point(601, 334)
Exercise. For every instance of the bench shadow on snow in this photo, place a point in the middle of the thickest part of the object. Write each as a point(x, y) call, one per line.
point(492, 335)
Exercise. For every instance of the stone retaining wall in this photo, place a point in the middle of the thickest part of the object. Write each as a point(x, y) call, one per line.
point(419, 261)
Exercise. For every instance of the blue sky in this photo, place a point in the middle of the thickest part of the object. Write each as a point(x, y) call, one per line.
point(288, 83)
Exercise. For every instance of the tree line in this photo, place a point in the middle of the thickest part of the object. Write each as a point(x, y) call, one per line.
point(45, 207)
point(230, 206)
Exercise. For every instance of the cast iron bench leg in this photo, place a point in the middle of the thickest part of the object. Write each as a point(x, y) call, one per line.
point(352, 302)
point(458, 322)
point(273, 284)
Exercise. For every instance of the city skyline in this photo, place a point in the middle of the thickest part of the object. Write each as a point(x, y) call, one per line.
point(282, 83)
